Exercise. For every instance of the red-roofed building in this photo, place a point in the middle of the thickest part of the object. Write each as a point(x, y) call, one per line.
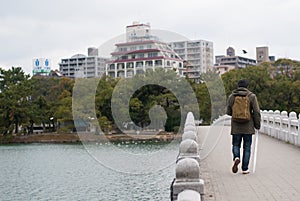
point(140, 52)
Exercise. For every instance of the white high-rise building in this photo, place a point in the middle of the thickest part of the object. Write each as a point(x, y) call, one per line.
point(198, 53)
point(82, 66)
point(140, 52)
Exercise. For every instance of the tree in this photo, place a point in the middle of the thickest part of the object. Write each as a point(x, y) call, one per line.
point(15, 91)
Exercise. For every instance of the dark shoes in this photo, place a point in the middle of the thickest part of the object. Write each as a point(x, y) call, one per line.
point(235, 165)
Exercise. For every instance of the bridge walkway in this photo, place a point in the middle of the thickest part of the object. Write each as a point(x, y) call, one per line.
point(277, 175)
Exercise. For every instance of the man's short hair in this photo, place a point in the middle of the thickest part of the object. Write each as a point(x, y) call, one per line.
point(243, 83)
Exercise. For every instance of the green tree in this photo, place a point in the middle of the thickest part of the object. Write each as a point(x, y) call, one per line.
point(15, 91)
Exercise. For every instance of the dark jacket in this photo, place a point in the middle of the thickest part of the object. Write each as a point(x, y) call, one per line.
point(248, 127)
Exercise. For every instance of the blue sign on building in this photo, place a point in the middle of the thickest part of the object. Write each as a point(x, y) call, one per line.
point(41, 65)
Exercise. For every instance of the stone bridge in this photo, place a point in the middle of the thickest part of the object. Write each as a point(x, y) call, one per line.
point(277, 171)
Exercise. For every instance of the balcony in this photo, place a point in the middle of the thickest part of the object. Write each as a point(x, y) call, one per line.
point(139, 64)
point(149, 63)
point(120, 66)
point(129, 65)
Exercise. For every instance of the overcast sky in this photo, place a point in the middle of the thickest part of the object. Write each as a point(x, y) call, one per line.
point(58, 29)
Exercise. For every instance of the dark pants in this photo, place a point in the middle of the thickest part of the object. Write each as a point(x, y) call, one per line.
point(236, 145)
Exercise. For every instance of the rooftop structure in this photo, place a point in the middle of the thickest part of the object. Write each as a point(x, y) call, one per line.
point(262, 55)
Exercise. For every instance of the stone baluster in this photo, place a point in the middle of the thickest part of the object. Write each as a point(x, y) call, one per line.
point(277, 123)
point(284, 128)
point(190, 128)
point(270, 122)
point(298, 139)
point(293, 128)
point(264, 122)
point(190, 135)
point(187, 178)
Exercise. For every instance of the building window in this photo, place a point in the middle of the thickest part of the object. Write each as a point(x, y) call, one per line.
point(112, 67)
point(158, 62)
point(124, 57)
point(141, 47)
point(133, 48)
point(149, 63)
point(123, 49)
point(141, 55)
point(152, 54)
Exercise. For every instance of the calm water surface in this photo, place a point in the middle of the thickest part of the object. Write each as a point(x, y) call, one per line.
point(68, 172)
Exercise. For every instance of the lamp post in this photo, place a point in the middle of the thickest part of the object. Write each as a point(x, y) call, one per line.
point(53, 126)
point(91, 125)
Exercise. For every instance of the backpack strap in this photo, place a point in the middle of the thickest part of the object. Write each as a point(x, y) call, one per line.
point(248, 94)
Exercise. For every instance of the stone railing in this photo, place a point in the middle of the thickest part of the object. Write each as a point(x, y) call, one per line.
point(187, 184)
point(281, 125)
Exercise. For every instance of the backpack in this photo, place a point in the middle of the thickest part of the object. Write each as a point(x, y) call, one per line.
point(241, 109)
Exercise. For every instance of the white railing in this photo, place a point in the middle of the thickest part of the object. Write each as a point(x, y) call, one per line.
point(281, 125)
point(224, 120)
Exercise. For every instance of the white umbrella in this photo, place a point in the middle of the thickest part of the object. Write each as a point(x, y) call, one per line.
point(255, 150)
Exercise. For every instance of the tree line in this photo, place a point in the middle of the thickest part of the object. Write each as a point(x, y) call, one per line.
point(27, 101)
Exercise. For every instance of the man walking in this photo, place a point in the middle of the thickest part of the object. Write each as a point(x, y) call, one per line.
point(242, 128)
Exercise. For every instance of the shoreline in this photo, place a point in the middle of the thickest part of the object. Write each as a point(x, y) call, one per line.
point(85, 138)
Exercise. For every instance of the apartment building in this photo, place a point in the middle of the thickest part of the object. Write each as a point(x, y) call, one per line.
point(232, 60)
point(197, 53)
point(82, 66)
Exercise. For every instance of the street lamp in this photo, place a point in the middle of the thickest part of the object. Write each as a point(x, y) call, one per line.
point(52, 120)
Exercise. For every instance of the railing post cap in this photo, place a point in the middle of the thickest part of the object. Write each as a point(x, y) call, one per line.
point(190, 128)
point(277, 112)
point(284, 113)
point(189, 135)
point(188, 146)
point(293, 115)
point(187, 168)
point(190, 115)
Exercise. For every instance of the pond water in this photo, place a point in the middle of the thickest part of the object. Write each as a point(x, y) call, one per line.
point(70, 172)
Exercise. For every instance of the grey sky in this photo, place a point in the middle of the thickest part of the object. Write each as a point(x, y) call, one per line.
point(61, 28)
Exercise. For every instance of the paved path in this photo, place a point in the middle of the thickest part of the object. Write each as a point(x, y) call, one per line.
point(277, 175)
